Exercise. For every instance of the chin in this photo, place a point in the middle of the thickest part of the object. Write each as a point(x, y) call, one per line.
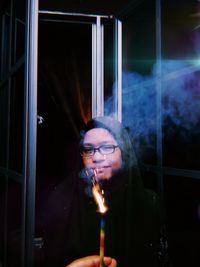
point(103, 178)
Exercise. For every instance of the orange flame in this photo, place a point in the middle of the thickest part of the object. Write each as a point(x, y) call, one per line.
point(98, 196)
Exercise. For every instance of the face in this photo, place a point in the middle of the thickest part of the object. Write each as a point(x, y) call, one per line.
point(105, 166)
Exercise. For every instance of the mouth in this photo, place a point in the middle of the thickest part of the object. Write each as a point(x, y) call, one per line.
point(101, 169)
point(102, 172)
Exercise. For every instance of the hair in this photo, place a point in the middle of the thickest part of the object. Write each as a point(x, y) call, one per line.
point(129, 174)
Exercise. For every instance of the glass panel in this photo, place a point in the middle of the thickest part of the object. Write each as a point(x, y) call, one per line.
point(182, 219)
point(16, 121)
point(14, 224)
point(5, 44)
point(64, 95)
point(3, 125)
point(138, 79)
point(109, 68)
point(3, 222)
point(20, 39)
point(150, 180)
point(18, 30)
point(181, 77)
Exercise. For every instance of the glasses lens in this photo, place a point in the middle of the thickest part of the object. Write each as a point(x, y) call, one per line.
point(107, 149)
point(87, 151)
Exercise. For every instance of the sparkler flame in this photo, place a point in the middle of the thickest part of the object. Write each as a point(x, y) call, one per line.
point(98, 195)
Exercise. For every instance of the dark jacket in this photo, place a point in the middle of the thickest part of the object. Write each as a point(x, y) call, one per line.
point(70, 226)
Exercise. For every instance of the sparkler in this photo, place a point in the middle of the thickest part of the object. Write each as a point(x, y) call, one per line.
point(99, 198)
point(102, 237)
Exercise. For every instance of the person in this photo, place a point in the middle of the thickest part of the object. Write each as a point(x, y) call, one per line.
point(70, 223)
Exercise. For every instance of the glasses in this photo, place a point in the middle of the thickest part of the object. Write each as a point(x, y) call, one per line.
point(88, 151)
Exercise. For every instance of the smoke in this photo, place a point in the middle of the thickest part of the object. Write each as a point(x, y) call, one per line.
point(180, 100)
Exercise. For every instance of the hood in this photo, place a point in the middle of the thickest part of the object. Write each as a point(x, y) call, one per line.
point(121, 135)
point(129, 173)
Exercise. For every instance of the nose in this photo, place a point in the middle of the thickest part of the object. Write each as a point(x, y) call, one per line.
point(98, 157)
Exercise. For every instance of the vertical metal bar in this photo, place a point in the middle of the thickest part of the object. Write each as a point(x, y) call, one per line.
point(94, 70)
point(99, 85)
point(159, 97)
point(30, 131)
point(15, 39)
point(118, 69)
point(101, 104)
point(6, 63)
point(5, 178)
point(10, 37)
point(9, 82)
point(2, 45)
point(97, 68)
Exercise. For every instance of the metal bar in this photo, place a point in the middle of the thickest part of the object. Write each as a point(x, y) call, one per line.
point(99, 62)
point(94, 71)
point(97, 69)
point(172, 171)
point(67, 21)
point(182, 172)
point(8, 113)
point(2, 45)
point(12, 174)
point(102, 69)
point(9, 83)
point(30, 129)
point(118, 69)
point(10, 37)
point(159, 99)
point(15, 39)
point(50, 12)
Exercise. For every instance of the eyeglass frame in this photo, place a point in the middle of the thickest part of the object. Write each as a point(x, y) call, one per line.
point(94, 149)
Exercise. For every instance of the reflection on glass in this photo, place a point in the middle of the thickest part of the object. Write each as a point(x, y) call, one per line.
point(180, 84)
point(138, 80)
point(182, 218)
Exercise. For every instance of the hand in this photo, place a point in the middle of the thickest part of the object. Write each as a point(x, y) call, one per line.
point(93, 261)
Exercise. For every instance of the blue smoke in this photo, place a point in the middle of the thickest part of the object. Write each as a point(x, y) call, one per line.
point(180, 91)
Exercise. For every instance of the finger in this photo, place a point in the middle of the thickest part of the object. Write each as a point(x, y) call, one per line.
point(107, 261)
point(89, 261)
point(113, 263)
point(93, 261)
point(110, 262)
